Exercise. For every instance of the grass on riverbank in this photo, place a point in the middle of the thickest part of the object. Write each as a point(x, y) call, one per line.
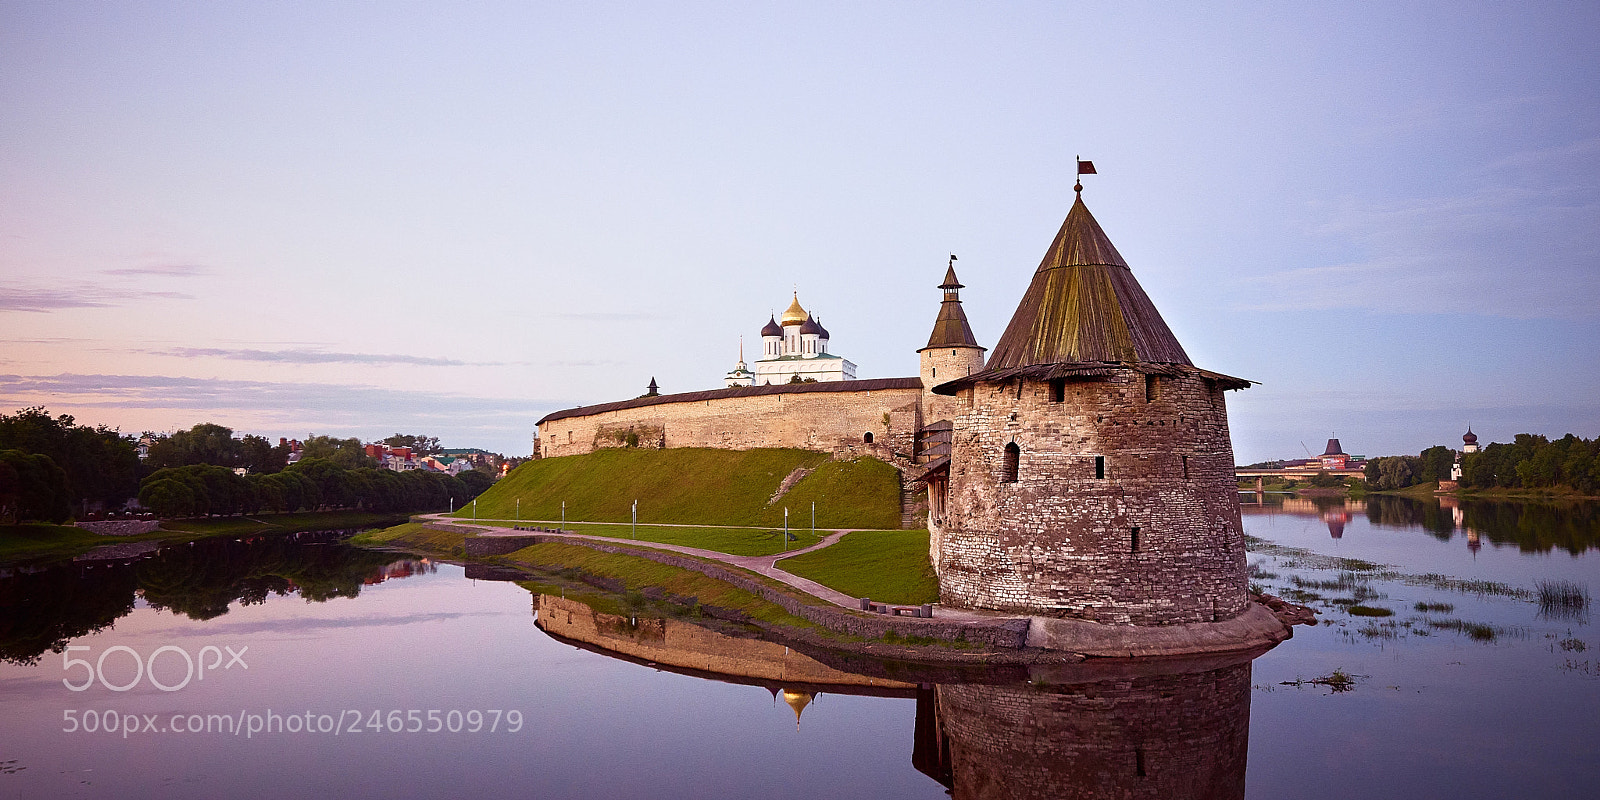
point(698, 486)
point(282, 523)
point(568, 560)
point(18, 541)
point(888, 566)
point(47, 541)
point(722, 539)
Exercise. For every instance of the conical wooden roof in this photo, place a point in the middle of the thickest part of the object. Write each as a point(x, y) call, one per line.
point(1084, 305)
point(950, 328)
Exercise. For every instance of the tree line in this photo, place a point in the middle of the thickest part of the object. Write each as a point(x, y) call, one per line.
point(52, 468)
point(1529, 461)
point(310, 484)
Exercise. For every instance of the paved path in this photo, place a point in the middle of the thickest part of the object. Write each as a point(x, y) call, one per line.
point(761, 565)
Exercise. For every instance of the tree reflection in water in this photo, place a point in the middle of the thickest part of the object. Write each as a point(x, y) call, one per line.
point(47, 608)
point(1533, 527)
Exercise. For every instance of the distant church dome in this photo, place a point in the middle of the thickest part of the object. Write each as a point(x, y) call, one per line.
point(811, 326)
point(794, 315)
point(771, 328)
point(1470, 438)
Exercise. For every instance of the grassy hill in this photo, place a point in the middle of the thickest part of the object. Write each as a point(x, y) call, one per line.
point(698, 486)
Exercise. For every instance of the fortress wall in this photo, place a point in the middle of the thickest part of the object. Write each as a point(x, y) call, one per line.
point(688, 646)
point(822, 421)
point(1058, 540)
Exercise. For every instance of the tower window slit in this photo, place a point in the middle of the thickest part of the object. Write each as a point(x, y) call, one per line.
point(1135, 539)
point(1186, 468)
point(1152, 388)
point(1013, 462)
point(1058, 390)
point(1100, 467)
point(1138, 762)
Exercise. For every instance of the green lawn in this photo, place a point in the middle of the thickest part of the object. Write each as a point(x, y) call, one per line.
point(734, 541)
point(698, 486)
point(888, 566)
point(45, 540)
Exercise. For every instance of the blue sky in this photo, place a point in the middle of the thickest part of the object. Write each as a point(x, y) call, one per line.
point(356, 219)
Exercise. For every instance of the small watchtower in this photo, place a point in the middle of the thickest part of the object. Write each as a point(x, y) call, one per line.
point(952, 351)
point(1091, 470)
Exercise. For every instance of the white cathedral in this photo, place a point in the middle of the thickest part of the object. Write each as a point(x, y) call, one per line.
point(793, 348)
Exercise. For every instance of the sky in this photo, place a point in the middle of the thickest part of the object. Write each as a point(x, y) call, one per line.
point(356, 219)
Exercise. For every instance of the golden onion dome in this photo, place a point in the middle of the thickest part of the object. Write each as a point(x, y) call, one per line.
point(795, 315)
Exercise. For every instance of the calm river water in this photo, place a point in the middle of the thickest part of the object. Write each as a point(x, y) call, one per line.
point(316, 669)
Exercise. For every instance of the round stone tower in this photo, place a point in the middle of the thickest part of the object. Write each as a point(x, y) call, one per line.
point(1091, 471)
point(952, 350)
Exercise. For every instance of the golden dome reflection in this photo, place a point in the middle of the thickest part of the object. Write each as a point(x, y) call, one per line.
point(797, 701)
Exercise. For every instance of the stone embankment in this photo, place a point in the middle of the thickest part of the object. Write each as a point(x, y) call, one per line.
point(121, 527)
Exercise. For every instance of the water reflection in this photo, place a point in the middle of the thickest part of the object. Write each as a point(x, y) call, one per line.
point(1533, 527)
point(48, 606)
point(1123, 730)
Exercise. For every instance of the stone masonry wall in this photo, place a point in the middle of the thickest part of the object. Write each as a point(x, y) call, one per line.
point(823, 421)
point(940, 365)
point(1060, 541)
point(1168, 737)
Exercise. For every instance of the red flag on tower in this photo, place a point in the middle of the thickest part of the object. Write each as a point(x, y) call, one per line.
point(1086, 168)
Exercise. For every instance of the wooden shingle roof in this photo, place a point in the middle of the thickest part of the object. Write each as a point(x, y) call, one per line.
point(1084, 305)
point(950, 328)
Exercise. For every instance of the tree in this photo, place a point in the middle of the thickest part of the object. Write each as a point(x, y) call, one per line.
point(420, 445)
point(101, 464)
point(346, 453)
point(167, 498)
point(39, 488)
point(206, 443)
point(262, 457)
point(475, 482)
point(1437, 464)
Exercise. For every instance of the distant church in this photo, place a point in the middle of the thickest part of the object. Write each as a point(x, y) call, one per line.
point(794, 350)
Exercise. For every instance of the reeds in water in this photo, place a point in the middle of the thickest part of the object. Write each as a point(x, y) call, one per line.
point(1562, 597)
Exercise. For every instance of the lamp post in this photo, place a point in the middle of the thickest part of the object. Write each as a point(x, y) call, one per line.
point(563, 514)
point(519, 513)
point(786, 528)
point(635, 519)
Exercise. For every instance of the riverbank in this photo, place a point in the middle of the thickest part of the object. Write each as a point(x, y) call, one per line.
point(46, 542)
point(795, 609)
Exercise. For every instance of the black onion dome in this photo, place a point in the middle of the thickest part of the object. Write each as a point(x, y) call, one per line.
point(1470, 438)
point(771, 328)
point(810, 326)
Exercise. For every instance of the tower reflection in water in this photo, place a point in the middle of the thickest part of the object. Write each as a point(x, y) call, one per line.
point(1156, 729)
point(1157, 736)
